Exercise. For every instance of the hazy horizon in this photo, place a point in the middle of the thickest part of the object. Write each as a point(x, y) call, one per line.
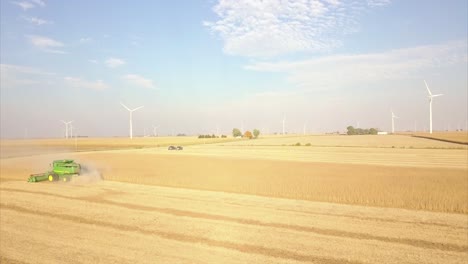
point(197, 66)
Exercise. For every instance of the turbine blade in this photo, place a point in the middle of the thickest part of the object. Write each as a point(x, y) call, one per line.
point(137, 108)
point(435, 95)
point(427, 87)
point(125, 106)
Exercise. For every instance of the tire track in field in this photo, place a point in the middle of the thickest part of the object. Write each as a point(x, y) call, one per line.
point(376, 219)
point(110, 192)
point(307, 212)
point(243, 248)
point(99, 199)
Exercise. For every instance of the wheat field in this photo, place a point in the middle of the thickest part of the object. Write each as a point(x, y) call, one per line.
point(112, 222)
point(343, 199)
point(431, 178)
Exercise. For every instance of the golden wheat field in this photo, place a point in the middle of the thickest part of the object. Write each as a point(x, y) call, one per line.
point(12, 148)
point(343, 199)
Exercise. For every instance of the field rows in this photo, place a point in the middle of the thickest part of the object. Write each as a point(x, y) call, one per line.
point(370, 141)
point(413, 179)
point(427, 158)
point(153, 224)
point(17, 148)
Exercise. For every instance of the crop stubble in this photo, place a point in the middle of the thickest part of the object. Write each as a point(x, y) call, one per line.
point(124, 223)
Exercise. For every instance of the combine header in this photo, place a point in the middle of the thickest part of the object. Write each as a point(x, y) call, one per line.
point(62, 170)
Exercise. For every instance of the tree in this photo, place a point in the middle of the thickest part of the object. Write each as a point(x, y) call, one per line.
point(351, 130)
point(248, 134)
point(361, 131)
point(256, 132)
point(236, 132)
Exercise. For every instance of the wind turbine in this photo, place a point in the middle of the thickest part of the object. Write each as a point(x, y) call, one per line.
point(393, 122)
point(155, 133)
point(71, 129)
point(304, 128)
point(430, 96)
point(131, 111)
point(66, 127)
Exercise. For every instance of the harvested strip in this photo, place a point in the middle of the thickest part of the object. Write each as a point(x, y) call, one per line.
point(328, 232)
point(245, 248)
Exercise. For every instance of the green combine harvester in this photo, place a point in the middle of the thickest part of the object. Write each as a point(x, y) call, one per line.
point(62, 170)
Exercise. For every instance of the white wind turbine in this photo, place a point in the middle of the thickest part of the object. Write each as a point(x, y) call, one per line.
point(71, 129)
point(430, 105)
point(66, 127)
point(155, 133)
point(393, 122)
point(131, 111)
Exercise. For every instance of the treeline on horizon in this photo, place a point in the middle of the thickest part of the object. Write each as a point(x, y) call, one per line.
point(361, 131)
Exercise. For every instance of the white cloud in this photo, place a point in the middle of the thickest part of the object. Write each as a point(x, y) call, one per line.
point(37, 21)
point(14, 75)
point(80, 83)
point(46, 44)
point(93, 61)
point(139, 81)
point(378, 2)
point(114, 62)
point(38, 2)
point(274, 27)
point(347, 70)
point(85, 40)
point(24, 5)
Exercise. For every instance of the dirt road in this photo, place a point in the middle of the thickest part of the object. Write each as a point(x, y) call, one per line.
point(110, 222)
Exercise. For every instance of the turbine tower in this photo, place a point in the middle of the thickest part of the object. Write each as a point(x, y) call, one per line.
point(71, 129)
point(131, 111)
point(430, 96)
point(66, 127)
point(393, 122)
point(155, 132)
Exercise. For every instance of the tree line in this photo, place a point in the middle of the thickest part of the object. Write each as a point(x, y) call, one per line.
point(247, 134)
point(361, 131)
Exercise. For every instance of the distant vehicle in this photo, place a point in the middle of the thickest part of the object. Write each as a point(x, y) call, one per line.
point(171, 148)
point(180, 148)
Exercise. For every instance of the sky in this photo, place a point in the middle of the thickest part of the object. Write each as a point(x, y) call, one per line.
point(199, 67)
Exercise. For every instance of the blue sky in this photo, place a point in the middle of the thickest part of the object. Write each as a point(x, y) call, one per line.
point(199, 65)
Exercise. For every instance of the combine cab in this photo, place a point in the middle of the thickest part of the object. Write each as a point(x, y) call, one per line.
point(62, 170)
